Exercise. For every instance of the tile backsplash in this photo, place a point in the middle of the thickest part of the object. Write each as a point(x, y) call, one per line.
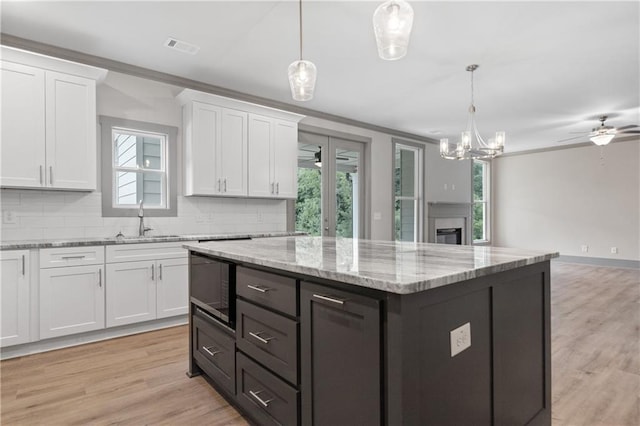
point(64, 214)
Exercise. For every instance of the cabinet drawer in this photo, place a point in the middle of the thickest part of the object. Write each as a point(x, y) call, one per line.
point(268, 399)
point(145, 251)
point(215, 353)
point(271, 290)
point(270, 338)
point(71, 256)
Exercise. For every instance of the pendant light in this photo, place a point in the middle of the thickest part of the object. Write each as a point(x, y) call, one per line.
point(302, 74)
point(467, 147)
point(392, 23)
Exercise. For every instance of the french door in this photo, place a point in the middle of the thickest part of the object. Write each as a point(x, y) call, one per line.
point(330, 186)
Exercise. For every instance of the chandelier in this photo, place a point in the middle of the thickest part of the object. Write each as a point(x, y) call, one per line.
point(302, 74)
point(467, 147)
point(392, 22)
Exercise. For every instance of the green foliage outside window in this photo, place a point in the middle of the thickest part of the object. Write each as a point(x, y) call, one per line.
point(309, 207)
point(479, 200)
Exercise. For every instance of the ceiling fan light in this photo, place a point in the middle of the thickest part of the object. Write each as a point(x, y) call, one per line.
point(302, 79)
point(392, 22)
point(602, 139)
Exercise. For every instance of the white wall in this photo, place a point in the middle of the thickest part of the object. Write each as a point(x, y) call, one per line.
point(64, 214)
point(447, 181)
point(563, 199)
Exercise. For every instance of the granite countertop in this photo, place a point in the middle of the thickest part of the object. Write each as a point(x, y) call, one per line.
point(395, 267)
point(75, 242)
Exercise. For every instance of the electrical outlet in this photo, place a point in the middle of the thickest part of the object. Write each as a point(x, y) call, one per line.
point(446, 186)
point(259, 217)
point(614, 250)
point(453, 186)
point(377, 216)
point(9, 217)
point(460, 339)
point(584, 248)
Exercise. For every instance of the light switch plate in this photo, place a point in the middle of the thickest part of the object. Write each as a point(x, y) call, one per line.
point(9, 217)
point(460, 339)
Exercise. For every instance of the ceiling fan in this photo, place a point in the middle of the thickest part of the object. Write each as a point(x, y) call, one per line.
point(604, 134)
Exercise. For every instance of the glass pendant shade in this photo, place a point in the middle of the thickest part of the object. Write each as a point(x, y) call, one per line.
point(602, 139)
point(302, 79)
point(392, 22)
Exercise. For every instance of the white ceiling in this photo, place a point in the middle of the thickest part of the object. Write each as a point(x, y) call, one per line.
point(546, 68)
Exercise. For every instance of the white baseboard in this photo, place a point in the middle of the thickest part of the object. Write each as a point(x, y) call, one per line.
point(600, 261)
point(89, 337)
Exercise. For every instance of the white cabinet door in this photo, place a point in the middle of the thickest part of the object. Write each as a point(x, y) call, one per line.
point(131, 292)
point(71, 131)
point(71, 300)
point(260, 156)
point(23, 126)
point(232, 153)
point(286, 159)
point(172, 287)
point(202, 133)
point(14, 297)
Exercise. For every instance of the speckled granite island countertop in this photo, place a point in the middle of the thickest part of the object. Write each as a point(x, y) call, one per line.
point(96, 241)
point(395, 267)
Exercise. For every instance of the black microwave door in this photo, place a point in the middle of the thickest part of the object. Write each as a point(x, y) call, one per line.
point(209, 285)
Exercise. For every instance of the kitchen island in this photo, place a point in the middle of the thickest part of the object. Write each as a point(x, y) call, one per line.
point(342, 331)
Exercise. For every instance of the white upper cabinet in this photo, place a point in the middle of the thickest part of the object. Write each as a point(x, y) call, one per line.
point(232, 157)
point(23, 134)
point(48, 122)
point(273, 157)
point(285, 154)
point(235, 148)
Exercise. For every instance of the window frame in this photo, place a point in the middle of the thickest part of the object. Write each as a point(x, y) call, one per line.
point(486, 201)
point(109, 170)
point(419, 196)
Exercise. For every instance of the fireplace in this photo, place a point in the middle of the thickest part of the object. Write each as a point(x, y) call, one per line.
point(449, 236)
point(449, 222)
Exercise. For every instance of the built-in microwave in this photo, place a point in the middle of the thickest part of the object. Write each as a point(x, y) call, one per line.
point(212, 287)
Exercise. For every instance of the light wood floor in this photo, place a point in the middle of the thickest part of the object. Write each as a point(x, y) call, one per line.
point(141, 379)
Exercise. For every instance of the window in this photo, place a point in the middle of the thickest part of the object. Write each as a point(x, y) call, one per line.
point(481, 185)
point(138, 164)
point(408, 188)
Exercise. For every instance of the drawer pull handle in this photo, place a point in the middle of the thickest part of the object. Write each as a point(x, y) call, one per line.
point(330, 299)
point(100, 277)
point(72, 257)
point(260, 288)
point(260, 400)
point(23, 269)
point(260, 338)
point(208, 350)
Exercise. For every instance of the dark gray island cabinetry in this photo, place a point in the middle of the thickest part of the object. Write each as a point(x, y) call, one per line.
point(331, 331)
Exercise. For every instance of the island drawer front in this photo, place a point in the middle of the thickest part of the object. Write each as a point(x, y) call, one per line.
point(71, 256)
point(215, 353)
point(269, 338)
point(266, 398)
point(270, 290)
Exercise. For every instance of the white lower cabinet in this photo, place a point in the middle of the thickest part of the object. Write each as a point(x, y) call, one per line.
point(143, 290)
point(71, 300)
point(14, 297)
point(172, 290)
point(131, 296)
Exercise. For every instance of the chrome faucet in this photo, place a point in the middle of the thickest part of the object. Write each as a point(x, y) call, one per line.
point(142, 229)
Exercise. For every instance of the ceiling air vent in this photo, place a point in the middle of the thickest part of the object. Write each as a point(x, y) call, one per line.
point(182, 46)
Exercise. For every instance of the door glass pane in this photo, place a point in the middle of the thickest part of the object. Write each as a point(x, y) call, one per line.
point(347, 190)
point(309, 202)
